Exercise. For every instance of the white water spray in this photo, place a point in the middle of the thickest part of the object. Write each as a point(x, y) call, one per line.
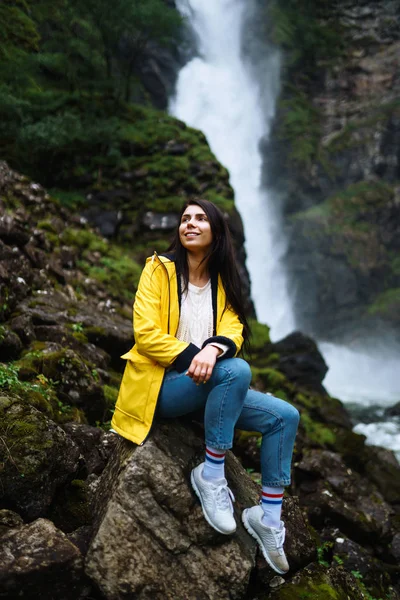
point(217, 94)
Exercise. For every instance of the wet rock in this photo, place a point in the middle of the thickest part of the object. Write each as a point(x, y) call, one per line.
point(10, 345)
point(334, 494)
point(38, 562)
point(301, 361)
point(23, 327)
point(12, 232)
point(9, 520)
point(393, 411)
point(112, 334)
point(382, 468)
point(70, 509)
point(175, 553)
point(81, 538)
point(94, 444)
point(319, 583)
point(395, 547)
point(15, 276)
point(37, 457)
point(176, 148)
point(354, 557)
point(154, 221)
point(77, 383)
point(107, 222)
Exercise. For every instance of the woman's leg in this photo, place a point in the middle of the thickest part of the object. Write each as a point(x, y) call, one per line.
point(222, 399)
point(277, 421)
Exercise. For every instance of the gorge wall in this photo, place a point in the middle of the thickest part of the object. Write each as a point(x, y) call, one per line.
point(334, 161)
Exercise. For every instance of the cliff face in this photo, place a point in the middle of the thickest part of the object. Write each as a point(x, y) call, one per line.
point(337, 132)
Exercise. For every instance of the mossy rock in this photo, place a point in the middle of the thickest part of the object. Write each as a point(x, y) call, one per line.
point(71, 507)
point(75, 382)
point(36, 457)
point(316, 434)
point(20, 381)
point(268, 379)
point(318, 583)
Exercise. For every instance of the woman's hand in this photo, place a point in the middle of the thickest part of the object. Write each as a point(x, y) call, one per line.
point(202, 365)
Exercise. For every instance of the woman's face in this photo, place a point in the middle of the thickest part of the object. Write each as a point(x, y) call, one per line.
point(195, 230)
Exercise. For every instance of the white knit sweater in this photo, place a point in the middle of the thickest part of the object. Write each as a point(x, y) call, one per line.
point(196, 318)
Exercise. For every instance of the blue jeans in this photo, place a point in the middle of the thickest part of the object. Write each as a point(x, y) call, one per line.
point(228, 402)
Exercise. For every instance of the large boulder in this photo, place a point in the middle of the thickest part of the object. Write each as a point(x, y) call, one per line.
point(333, 493)
point(38, 562)
point(301, 361)
point(151, 539)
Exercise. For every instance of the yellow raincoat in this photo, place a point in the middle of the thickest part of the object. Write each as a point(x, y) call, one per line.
point(156, 319)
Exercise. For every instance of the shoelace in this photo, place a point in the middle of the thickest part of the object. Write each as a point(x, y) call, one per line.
point(279, 536)
point(224, 498)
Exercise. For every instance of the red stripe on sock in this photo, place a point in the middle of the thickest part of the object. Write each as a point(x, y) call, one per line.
point(272, 495)
point(215, 454)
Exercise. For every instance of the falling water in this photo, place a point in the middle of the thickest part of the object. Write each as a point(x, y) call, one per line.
point(217, 94)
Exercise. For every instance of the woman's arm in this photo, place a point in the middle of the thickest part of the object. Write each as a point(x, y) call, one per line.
point(229, 333)
point(148, 310)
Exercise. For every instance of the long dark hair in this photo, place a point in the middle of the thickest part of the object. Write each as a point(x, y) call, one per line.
point(220, 258)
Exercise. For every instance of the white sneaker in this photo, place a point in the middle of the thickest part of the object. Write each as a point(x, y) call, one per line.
point(270, 539)
point(216, 501)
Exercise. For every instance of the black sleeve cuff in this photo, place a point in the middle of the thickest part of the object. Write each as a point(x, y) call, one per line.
point(183, 360)
point(220, 339)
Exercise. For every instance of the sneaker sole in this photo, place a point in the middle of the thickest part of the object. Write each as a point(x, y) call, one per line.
point(207, 518)
point(255, 535)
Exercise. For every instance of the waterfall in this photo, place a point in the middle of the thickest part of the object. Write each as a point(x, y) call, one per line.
point(217, 94)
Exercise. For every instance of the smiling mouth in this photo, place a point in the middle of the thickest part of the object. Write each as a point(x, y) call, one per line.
point(191, 234)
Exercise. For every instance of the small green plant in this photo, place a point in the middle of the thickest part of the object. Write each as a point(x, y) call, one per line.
point(77, 327)
point(323, 553)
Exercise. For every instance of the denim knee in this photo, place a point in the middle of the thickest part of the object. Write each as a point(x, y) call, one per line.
point(291, 415)
point(236, 367)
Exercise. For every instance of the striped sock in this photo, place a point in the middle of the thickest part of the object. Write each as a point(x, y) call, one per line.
point(214, 464)
point(271, 501)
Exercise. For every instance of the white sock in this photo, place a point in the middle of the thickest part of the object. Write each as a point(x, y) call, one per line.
point(271, 501)
point(214, 464)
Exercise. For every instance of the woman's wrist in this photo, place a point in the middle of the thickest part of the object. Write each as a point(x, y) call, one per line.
point(218, 350)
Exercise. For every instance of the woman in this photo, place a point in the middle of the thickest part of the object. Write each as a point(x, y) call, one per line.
point(189, 326)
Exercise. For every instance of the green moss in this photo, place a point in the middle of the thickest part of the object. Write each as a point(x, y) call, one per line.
point(316, 432)
point(71, 508)
point(267, 378)
point(80, 337)
point(386, 304)
point(69, 198)
point(259, 336)
point(357, 132)
point(37, 392)
point(110, 394)
point(47, 225)
point(300, 127)
point(84, 239)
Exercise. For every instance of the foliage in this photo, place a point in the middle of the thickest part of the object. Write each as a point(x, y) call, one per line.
point(306, 31)
point(300, 126)
point(64, 68)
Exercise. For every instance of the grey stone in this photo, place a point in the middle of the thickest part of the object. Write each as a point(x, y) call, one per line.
point(37, 561)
